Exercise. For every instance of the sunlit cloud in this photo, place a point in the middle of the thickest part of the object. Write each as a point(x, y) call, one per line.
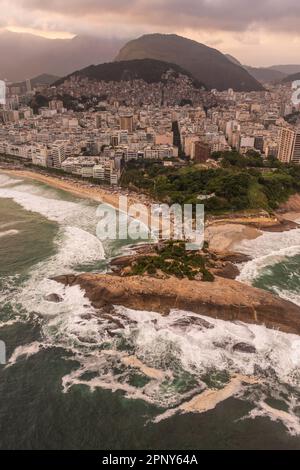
point(40, 32)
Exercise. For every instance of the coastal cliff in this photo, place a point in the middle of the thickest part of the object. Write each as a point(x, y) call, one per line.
point(224, 299)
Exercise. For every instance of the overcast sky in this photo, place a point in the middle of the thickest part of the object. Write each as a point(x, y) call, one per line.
point(257, 32)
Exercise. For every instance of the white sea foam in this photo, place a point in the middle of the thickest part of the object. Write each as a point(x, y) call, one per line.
point(165, 345)
point(6, 180)
point(288, 418)
point(268, 250)
point(26, 351)
point(288, 295)
point(251, 270)
point(8, 233)
point(77, 242)
point(55, 210)
point(270, 243)
point(75, 247)
point(4, 324)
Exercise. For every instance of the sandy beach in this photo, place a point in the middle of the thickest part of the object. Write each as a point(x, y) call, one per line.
point(226, 237)
point(292, 209)
point(107, 195)
point(79, 188)
point(223, 235)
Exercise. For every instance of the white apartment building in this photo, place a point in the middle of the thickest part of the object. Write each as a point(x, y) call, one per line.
point(289, 145)
point(58, 152)
point(39, 155)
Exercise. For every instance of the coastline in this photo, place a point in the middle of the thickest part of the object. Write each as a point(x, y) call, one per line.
point(78, 188)
point(223, 235)
point(97, 193)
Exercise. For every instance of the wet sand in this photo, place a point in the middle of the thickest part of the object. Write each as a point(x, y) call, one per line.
point(225, 237)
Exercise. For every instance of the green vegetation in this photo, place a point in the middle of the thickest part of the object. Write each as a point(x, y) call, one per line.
point(174, 260)
point(293, 118)
point(252, 159)
point(38, 101)
point(240, 183)
point(149, 70)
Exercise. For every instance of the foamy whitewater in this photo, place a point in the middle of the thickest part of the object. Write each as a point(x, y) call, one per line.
point(268, 250)
point(165, 361)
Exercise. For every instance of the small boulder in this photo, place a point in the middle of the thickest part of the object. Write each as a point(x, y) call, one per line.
point(56, 298)
point(244, 348)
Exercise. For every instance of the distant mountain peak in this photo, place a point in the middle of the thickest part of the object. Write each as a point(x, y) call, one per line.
point(27, 55)
point(208, 65)
point(292, 78)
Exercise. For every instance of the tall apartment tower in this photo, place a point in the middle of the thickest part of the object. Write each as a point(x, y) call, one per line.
point(28, 86)
point(126, 122)
point(296, 149)
point(289, 146)
point(58, 153)
point(202, 152)
point(286, 144)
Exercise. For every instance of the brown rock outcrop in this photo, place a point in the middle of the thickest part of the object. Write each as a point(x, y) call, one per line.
point(223, 299)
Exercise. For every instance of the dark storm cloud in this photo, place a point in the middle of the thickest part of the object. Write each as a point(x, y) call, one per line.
point(229, 15)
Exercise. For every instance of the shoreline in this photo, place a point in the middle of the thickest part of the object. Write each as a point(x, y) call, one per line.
point(105, 195)
point(223, 236)
point(78, 188)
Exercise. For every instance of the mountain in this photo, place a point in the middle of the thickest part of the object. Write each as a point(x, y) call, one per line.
point(204, 63)
point(265, 74)
point(43, 79)
point(292, 78)
point(149, 70)
point(287, 69)
point(233, 59)
point(27, 55)
point(261, 74)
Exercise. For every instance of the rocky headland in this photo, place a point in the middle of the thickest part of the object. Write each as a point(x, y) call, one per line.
point(224, 299)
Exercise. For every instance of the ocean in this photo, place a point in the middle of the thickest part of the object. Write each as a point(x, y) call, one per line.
point(75, 379)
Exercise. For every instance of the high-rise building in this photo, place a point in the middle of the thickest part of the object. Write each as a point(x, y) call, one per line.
point(259, 143)
point(28, 86)
point(286, 144)
point(126, 122)
point(202, 152)
point(296, 149)
point(58, 153)
point(289, 145)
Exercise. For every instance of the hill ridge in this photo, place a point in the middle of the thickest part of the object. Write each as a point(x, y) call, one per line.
point(149, 70)
point(207, 64)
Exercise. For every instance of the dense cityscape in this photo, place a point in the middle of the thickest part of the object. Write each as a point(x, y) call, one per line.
point(123, 121)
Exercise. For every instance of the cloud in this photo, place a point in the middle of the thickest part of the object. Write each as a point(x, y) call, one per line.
point(146, 15)
point(257, 31)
